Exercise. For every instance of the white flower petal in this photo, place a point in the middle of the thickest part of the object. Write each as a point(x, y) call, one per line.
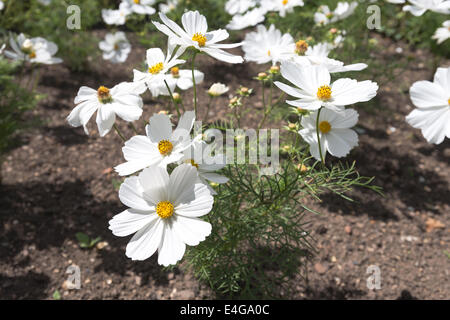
point(130, 221)
point(145, 242)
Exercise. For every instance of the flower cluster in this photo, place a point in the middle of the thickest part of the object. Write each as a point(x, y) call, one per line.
point(168, 188)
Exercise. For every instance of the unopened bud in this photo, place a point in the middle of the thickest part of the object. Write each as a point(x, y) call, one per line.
point(262, 76)
point(176, 96)
point(274, 69)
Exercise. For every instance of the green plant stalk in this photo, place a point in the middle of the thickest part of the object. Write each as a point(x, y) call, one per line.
point(134, 128)
point(119, 133)
point(318, 136)
point(193, 81)
point(172, 99)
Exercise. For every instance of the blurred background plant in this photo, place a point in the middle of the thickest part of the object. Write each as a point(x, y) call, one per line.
point(16, 98)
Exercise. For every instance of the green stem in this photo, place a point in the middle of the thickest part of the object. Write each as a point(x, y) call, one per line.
point(134, 128)
point(172, 99)
point(193, 81)
point(119, 133)
point(318, 135)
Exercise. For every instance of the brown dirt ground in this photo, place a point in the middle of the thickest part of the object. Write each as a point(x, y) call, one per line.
point(58, 182)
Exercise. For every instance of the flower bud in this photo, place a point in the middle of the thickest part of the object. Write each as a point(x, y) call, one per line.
point(274, 69)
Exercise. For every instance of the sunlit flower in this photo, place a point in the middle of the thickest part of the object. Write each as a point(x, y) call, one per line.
point(122, 100)
point(335, 134)
point(239, 6)
point(432, 100)
point(249, 19)
point(168, 7)
point(419, 7)
point(344, 9)
point(443, 33)
point(313, 88)
point(264, 45)
point(158, 68)
point(181, 78)
point(2, 5)
point(163, 213)
point(161, 146)
point(2, 48)
point(34, 50)
point(318, 55)
point(140, 6)
point(195, 34)
point(115, 47)
point(116, 17)
point(198, 155)
point(281, 6)
point(217, 89)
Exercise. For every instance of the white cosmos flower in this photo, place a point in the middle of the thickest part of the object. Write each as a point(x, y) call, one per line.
point(313, 88)
point(116, 17)
point(234, 7)
point(217, 89)
point(2, 5)
point(281, 6)
point(249, 19)
point(443, 33)
point(198, 155)
point(115, 47)
point(34, 50)
point(2, 48)
point(163, 213)
point(264, 45)
point(344, 9)
point(335, 134)
point(181, 78)
point(168, 7)
point(161, 146)
point(140, 6)
point(122, 100)
point(432, 100)
point(158, 67)
point(419, 7)
point(318, 55)
point(396, 1)
point(195, 34)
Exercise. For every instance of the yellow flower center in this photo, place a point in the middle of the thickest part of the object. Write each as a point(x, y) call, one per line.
point(325, 126)
point(324, 93)
point(165, 147)
point(301, 46)
point(192, 163)
point(164, 209)
point(175, 71)
point(103, 95)
point(32, 55)
point(137, 1)
point(285, 2)
point(268, 53)
point(201, 39)
point(156, 68)
point(448, 102)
